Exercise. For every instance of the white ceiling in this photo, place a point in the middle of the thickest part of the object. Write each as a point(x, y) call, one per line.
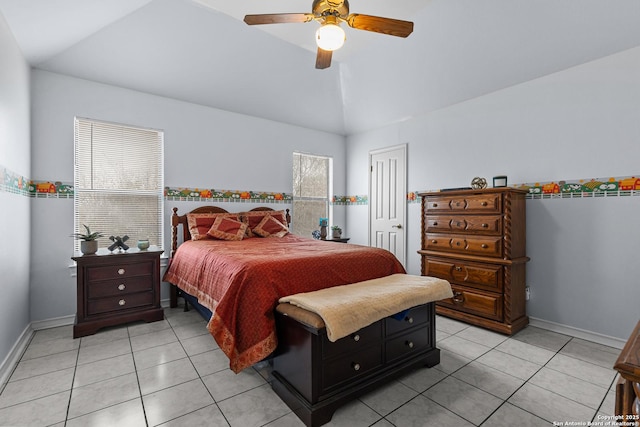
point(200, 51)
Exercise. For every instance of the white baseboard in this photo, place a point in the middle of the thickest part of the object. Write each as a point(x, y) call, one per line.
point(9, 362)
point(38, 325)
point(578, 333)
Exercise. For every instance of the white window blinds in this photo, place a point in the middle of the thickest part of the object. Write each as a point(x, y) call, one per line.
point(311, 192)
point(118, 181)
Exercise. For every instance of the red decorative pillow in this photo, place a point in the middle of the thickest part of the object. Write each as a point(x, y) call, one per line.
point(200, 223)
point(270, 227)
point(227, 229)
point(253, 218)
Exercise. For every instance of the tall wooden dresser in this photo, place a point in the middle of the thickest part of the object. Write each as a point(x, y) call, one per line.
point(475, 239)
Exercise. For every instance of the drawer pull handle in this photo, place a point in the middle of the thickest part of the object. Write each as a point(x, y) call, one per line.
point(122, 302)
point(355, 366)
point(484, 246)
point(458, 268)
point(458, 298)
point(121, 271)
point(409, 344)
point(485, 225)
point(409, 320)
point(356, 337)
point(435, 242)
point(484, 203)
point(121, 287)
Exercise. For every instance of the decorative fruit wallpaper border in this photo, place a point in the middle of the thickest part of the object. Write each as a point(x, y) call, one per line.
point(12, 182)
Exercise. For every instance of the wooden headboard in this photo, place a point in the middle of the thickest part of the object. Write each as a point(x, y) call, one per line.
point(181, 220)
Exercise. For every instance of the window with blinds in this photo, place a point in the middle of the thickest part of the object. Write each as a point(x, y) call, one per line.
point(118, 182)
point(312, 180)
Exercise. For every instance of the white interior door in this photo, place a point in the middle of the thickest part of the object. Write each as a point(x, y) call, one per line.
point(387, 203)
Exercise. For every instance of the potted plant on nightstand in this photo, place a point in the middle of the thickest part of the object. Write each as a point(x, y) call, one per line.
point(336, 232)
point(88, 241)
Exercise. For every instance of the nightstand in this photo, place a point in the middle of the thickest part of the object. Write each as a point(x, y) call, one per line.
point(117, 288)
point(339, 239)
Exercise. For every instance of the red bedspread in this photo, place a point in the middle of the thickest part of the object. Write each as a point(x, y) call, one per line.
point(241, 283)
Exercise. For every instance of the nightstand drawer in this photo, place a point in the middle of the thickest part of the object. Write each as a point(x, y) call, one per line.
point(124, 286)
point(117, 271)
point(118, 303)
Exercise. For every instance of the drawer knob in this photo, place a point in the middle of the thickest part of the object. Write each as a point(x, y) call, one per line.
point(435, 223)
point(122, 302)
point(484, 246)
point(121, 287)
point(458, 268)
point(409, 320)
point(434, 241)
point(485, 225)
point(356, 337)
point(435, 205)
point(355, 366)
point(484, 203)
point(121, 271)
point(458, 297)
point(409, 344)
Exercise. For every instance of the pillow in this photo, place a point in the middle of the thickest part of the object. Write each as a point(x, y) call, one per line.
point(226, 228)
point(270, 227)
point(200, 223)
point(253, 218)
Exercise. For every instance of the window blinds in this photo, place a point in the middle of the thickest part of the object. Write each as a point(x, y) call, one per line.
point(311, 191)
point(118, 181)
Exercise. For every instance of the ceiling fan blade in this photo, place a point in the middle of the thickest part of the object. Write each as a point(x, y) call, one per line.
point(278, 18)
point(323, 59)
point(392, 27)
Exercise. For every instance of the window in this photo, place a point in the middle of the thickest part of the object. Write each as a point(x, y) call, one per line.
point(311, 189)
point(118, 181)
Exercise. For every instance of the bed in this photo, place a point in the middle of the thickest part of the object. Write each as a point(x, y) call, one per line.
point(240, 286)
point(241, 281)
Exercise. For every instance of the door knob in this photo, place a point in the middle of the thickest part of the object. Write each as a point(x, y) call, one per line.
point(397, 226)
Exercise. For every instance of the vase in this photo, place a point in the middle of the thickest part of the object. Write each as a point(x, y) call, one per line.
point(143, 244)
point(88, 247)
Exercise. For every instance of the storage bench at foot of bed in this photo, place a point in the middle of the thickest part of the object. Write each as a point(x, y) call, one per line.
point(314, 376)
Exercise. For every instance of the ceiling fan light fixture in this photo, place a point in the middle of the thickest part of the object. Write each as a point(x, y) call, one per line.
point(330, 37)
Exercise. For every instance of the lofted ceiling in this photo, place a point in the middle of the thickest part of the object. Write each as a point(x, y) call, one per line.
point(200, 51)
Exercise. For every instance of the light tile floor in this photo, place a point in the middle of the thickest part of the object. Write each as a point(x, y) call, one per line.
point(171, 373)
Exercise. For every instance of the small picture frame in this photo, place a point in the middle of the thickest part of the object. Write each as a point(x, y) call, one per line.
point(499, 181)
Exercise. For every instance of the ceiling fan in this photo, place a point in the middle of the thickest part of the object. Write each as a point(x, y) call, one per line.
point(330, 36)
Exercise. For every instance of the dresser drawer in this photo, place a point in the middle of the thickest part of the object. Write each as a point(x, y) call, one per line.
point(124, 286)
point(403, 345)
point(117, 271)
point(490, 246)
point(351, 366)
point(413, 317)
point(468, 203)
point(473, 274)
point(354, 342)
point(118, 303)
point(480, 224)
point(475, 302)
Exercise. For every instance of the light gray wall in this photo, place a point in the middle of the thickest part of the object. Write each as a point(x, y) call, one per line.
point(583, 122)
point(14, 209)
point(204, 147)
